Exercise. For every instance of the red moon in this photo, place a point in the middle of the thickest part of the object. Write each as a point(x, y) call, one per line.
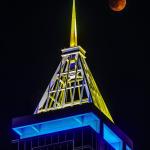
point(117, 5)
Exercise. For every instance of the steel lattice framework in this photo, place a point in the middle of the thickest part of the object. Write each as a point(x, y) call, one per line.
point(72, 83)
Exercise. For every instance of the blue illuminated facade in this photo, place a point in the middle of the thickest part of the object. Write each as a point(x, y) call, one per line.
point(76, 121)
point(83, 126)
point(112, 138)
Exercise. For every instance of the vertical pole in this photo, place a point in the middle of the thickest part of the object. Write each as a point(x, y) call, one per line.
point(66, 82)
point(101, 135)
point(24, 145)
point(73, 36)
point(124, 146)
point(18, 144)
point(82, 130)
point(31, 144)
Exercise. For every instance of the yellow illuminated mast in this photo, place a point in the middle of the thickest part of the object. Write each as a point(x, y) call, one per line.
point(73, 36)
point(73, 82)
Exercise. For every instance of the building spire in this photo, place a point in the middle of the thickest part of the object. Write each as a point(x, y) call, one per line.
point(73, 82)
point(73, 36)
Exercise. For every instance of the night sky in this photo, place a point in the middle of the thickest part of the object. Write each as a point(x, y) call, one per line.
point(32, 35)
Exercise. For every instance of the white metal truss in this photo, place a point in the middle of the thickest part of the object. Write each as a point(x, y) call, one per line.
point(72, 84)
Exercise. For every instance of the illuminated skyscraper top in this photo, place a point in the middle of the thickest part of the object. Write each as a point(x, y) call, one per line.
point(72, 103)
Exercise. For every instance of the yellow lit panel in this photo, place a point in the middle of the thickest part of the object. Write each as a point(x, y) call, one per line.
point(73, 36)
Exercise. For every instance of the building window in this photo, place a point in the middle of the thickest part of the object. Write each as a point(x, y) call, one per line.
point(111, 138)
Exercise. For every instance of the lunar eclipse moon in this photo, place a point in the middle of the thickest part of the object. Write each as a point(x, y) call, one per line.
point(117, 5)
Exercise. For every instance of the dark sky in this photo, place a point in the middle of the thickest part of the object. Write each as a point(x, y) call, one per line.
point(32, 35)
